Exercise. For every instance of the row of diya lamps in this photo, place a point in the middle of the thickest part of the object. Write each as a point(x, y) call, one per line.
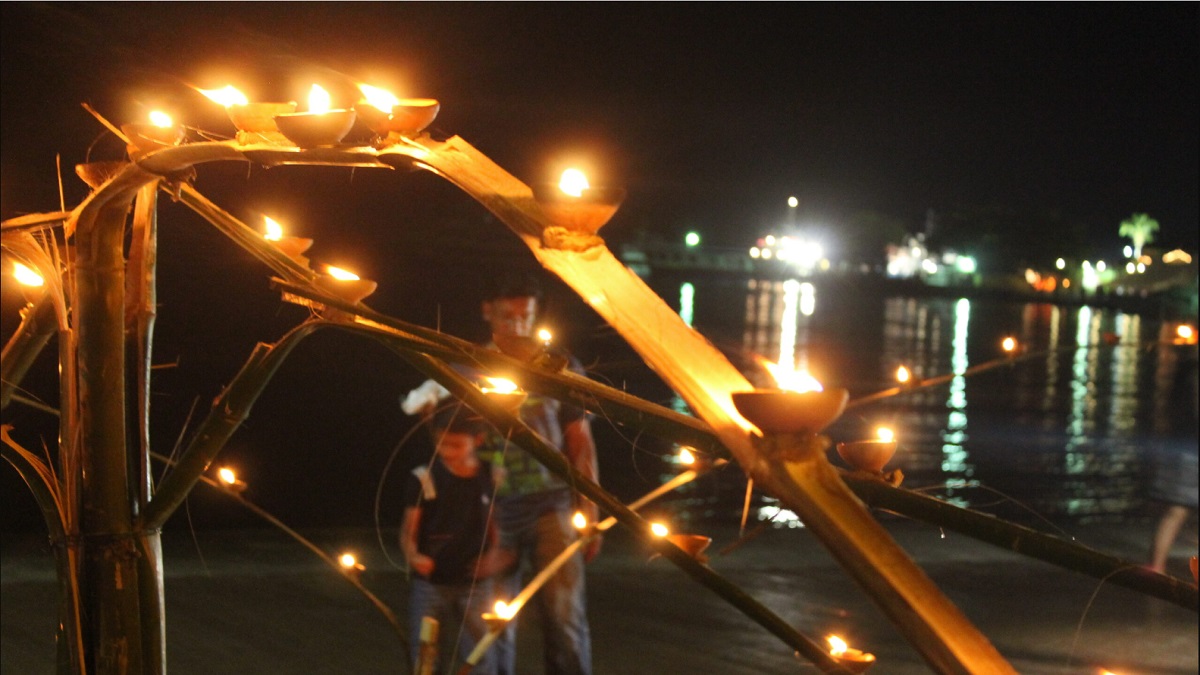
point(278, 123)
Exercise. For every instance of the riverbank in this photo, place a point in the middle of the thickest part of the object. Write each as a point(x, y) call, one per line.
point(254, 601)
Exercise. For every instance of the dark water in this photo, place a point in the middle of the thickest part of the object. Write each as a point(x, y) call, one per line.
point(1074, 430)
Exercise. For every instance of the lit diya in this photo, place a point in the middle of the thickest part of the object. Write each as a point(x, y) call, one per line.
point(799, 405)
point(320, 125)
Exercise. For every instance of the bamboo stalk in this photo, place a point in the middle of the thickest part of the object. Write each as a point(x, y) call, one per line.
point(24, 346)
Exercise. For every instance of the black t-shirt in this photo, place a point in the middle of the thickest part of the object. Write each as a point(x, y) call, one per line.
point(453, 522)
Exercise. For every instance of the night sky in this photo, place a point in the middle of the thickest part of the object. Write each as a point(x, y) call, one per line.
point(710, 115)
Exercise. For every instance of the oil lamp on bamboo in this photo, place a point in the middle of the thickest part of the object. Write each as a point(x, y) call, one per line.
point(32, 284)
point(854, 660)
point(575, 205)
point(692, 544)
point(392, 118)
point(228, 479)
point(320, 125)
point(504, 391)
point(255, 122)
point(159, 132)
point(799, 405)
point(870, 455)
point(292, 247)
point(350, 564)
point(345, 284)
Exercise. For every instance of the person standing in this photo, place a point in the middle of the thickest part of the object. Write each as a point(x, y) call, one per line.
point(446, 536)
point(534, 507)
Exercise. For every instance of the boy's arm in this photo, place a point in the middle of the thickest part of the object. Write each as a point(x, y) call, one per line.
point(420, 563)
point(581, 452)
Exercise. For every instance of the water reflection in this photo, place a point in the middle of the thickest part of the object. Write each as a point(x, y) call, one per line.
point(687, 296)
point(955, 467)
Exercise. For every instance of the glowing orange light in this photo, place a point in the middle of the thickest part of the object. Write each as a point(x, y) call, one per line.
point(791, 379)
point(1009, 345)
point(340, 274)
point(1185, 332)
point(686, 456)
point(274, 229)
point(319, 100)
point(579, 520)
point(499, 385)
point(837, 646)
point(227, 476)
point(504, 611)
point(26, 276)
point(348, 561)
point(659, 530)
point(545, 335)
point(160, 119)
point(903, 375)
point(226, 96)
point(885, 434)
point(379, 98)
point(573, 182)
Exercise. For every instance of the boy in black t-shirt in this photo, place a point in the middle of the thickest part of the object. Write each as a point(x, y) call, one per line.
point(446, 534)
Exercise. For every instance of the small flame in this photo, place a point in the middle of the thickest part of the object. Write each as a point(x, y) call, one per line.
point(579, 520)
point(341, 274)
point(504, 611)
point(885, 434)
point(499, 385)
point(903, 375)
point(226, 96)
point(227, 475)
point(348, 560)
point(1185, 332)
point(274, 229)
point(319, 100)
point(545, 335)
point(791, 379)
point(1009, 345)
point(379, 98)
point(26, 276)
point(837, 646)
point(161, 119)
point(573, 182)
point(686, 456)
point(659, 529)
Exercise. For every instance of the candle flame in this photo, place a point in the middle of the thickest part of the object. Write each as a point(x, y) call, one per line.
point(274, 229)
point(1185, 332)
point(1009, 344)
point(579, 520)
point(573, 182)
point(499, 385)
point(659, 529)
point(226, 96)
point(348, 560)
point(160, 119)
point(545, 335)
point(340, 274)
point(26, 276)
point(787, 377)
point(227, 475)
point(885, 434)
point(379, 98)
point(686, 456)
point(504, 611)
point(903, 374)
point(837, 646)
point(319, 100)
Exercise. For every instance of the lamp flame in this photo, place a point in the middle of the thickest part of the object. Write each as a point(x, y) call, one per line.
point(274, 229)
point(504, 611)
point(837, 646)
point(341, 274)
point(885, 434)
point(161, 119)
point(499, 385)
point(573, 182)
point(659, 529)
point(903, 375)
point(379, 98)
point(686, 456)
point(791, 379)
point(579, 520)
point(226, 96)
point(1185, 332)
point(1009, 345)
point(26, 276)
point(545, 335)
point(319, 100)
point(348, 560)
point(227, 476)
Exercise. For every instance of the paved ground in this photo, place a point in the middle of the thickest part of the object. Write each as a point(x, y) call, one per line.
point(256, 602)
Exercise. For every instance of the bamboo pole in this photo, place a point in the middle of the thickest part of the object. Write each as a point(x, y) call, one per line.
point(24, 346)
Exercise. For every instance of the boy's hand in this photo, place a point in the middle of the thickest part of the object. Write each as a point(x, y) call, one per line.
point(422, 564)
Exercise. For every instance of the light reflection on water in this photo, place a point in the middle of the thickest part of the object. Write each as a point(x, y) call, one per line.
point(1066, 433)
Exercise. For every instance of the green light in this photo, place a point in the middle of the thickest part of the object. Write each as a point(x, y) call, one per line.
point(692, 239)
point(965, 264)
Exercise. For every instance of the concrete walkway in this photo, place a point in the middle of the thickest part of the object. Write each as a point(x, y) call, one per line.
point(257, 602)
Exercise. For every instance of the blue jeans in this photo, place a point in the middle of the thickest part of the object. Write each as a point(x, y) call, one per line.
point(457, 608)
point(537, 528)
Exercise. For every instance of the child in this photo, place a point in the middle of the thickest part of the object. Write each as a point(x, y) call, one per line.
point(446, 532)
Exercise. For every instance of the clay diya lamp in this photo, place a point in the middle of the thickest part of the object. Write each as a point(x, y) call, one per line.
point(782, 411)
point(408, 117)
point(255, 122)
point(869, 455)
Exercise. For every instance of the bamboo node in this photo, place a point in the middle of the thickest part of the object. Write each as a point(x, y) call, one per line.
point(563, 239)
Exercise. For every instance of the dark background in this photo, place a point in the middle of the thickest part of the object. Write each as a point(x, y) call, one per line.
point(1044, 125)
